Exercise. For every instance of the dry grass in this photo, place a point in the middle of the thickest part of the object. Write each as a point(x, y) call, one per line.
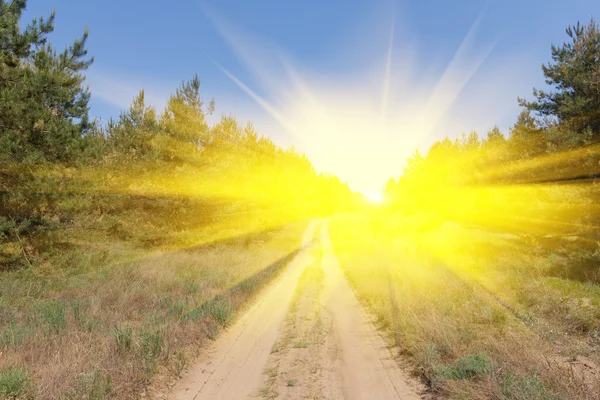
point(481, 314)
point(100, 318)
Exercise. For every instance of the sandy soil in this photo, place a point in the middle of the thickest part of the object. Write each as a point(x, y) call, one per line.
point(306, 338)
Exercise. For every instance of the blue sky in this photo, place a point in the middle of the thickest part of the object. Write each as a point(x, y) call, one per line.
point(315, 74)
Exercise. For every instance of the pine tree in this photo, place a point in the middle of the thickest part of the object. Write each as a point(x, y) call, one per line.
point(184, 119)
point(43, 104)
point(574, 74)
point(526, 138)
point(136, 127)
point(495, 136)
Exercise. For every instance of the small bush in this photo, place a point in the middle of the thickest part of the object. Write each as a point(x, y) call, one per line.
point(211, 330)
point(123, 337)
point(15, 384)
point(473, 366)
point(180, 363)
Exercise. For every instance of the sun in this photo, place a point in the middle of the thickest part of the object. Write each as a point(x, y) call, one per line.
point(374, 197)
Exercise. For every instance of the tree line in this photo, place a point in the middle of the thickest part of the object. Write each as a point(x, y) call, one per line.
point(543, 175)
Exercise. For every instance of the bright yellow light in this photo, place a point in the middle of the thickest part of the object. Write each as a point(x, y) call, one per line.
point(377, 123)
point(374, 197)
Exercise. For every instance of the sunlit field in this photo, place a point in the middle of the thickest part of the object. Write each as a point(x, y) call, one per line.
point(487, 275)
point(120, 292)
point(357, 248)
point(486, 307)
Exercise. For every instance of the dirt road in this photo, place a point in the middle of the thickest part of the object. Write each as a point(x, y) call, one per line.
point(307, 337)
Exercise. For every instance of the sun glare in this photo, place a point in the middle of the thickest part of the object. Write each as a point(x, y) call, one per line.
point(323, 114)
point(374, 197)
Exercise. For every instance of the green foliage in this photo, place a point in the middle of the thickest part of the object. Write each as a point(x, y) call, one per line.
point(84, 322)
point(177, 307)
point(221, 310)
point(575, 75)
point(194, 315)
point(527, 387)
point(151, 344)
point(526, 139)
point(15, 384)
point(44, 107)
point(53, 314)
point(123, 337)
point(183, 124)
point(136, 127)
point(474, 366)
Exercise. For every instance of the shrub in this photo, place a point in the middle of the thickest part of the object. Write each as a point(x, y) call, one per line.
point(473, 366)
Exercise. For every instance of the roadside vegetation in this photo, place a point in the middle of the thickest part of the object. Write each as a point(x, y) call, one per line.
point(483, 262)
point(480, 314)
point(125, 246)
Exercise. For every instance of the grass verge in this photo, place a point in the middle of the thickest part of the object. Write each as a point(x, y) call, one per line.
point(481, 314)
point(99, 320)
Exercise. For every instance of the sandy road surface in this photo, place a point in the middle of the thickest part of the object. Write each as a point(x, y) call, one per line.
point(307, 337)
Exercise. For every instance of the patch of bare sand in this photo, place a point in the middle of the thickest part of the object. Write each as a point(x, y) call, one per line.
point(306, 359)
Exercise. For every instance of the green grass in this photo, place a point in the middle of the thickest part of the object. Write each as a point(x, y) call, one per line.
point(221, 310)
point(475, 366)
point(53, 315)
point(123, 336)
point(91, 386)
point(526, 387)
point(268, 393)
point(151, 343)
point(13, 335)
point(15, 383)
point(191, 287)
point(300, 344)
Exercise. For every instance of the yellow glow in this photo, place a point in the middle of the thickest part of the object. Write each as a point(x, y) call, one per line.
point(374, 197)
point(359, 128)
